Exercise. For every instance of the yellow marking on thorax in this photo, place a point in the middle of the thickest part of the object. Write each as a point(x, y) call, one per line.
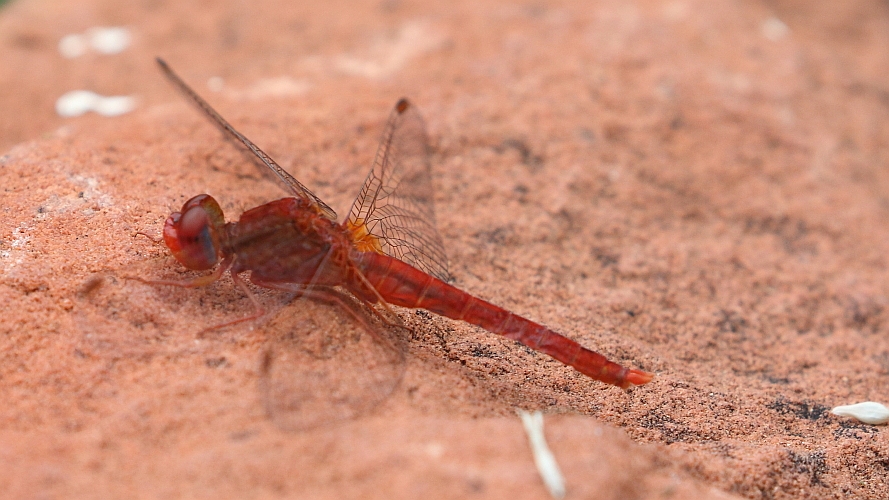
point(362, 239)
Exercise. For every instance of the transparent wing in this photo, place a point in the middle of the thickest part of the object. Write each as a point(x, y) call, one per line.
point(394, 213)
point(288, 181)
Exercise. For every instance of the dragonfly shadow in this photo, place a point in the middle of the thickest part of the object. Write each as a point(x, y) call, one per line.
point(319, 364)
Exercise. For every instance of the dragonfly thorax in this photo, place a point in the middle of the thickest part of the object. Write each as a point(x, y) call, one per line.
point(286, 240)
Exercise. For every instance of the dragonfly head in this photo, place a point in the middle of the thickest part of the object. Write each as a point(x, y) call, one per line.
point(194, 235)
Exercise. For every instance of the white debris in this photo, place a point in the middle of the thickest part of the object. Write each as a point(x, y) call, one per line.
point(774, 29)
point(112, 40)
point(71, 46)
point(867, 412)
point(78, 102)
point(115, 105)
point(543, 457)
point(9, 259)
point(109, 40)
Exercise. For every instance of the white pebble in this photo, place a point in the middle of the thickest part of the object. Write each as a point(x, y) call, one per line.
point(71, 46)
point(109, 40)
point(103, 40)
point(868, 412)
point(78, 102)
point(115, 105)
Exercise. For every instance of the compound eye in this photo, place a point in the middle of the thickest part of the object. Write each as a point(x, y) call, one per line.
point(193, 234)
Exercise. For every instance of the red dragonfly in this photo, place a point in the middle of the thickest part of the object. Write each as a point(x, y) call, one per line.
point(387, 251)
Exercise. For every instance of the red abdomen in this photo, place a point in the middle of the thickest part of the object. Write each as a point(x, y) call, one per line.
point(403, 285)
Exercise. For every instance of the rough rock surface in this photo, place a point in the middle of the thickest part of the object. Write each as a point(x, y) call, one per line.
point(695, 188)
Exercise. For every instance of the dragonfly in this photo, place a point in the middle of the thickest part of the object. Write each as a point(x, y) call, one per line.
point(387, 252)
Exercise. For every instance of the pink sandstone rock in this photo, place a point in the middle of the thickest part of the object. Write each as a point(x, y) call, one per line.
point(682, 187)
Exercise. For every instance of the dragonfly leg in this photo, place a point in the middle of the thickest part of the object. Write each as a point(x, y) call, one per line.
point(189, 283)
point(156, 241)
point(321, 294)
point(207, 280)
point(258, 310)
point(379, 300)
point(330, 296)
